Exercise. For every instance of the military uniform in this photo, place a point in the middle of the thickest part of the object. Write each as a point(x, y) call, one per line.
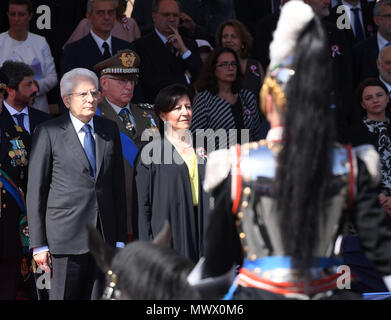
point(142, 117)
point(13, 232)
point(243, 200)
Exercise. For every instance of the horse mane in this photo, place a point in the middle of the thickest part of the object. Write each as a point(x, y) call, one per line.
point(144, 270)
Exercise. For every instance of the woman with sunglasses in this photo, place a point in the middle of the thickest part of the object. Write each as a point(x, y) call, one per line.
point(222, 104)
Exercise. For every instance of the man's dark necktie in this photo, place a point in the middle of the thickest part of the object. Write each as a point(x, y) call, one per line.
point(106, 52)
point(20, 117)
point(89, 148)
point(124, 114)
point(170, 48)
point(357, 24)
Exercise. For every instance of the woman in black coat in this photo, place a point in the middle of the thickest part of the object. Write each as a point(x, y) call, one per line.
point(169, 175)
point(374, 128)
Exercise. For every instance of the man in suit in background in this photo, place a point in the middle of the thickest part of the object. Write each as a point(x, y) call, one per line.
point(76, 178)
point(167, 57)
point(384, 66)
point(99, 44)
point(366, 52)
point(360, 17)
point(119, 75)
point(21, 93)
point(264, 35)
point(340, 44)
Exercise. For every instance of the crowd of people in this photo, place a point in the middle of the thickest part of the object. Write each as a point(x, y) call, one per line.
point(235, 133)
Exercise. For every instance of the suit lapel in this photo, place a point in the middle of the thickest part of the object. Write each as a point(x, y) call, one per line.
point(71, 140)
point(100, 143)
point(92, 44)
point(33, 120)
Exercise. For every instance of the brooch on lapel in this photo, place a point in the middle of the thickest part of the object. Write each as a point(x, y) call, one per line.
point(18, 128)
point(335, 50)
point(247, 112)
point(150, 120)
point(253, 69)
point(202, 153)
point(125, 23)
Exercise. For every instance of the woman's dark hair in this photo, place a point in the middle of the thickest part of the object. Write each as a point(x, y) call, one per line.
point(243, 34)
point(147, 271)
point(208, 79)
point(121, 8)
point(168, 97)
point(369, 82)
point(305, 161)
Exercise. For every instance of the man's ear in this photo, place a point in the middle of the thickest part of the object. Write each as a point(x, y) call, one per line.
point(10, 92)
point(153, 17)
point(67, 101)
point(102, 253)
point(163, 238)
point(376, 20)
point(103, 84)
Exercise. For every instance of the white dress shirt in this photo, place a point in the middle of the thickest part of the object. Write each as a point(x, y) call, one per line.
point(12, 112)
point(99, 41)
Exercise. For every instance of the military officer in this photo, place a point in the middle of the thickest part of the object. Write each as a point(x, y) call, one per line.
point(13, 177)
point(136, 122)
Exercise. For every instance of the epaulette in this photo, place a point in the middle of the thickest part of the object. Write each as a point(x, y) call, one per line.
point(147, 106)
point(218, 168)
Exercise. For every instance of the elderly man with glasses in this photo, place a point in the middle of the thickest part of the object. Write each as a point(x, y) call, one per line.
point(76, 179)
point(119, 75)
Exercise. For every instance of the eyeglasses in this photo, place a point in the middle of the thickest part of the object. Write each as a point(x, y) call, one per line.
point(123, 81)
point(385, 16)
point(95, 94)
point(225, 65)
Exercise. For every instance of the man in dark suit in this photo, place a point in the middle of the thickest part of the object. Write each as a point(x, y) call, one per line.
point(340, 44)
point(76, 178)
point(264, 35)
point(359, 17)
point(366, 52)
point(21, 93)
point(99, 44)
point(167, 57)
point(384, 66)
point(119, 75)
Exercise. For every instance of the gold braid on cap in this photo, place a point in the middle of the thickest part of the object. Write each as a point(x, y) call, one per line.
point(275, 85)
point(3, 86)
